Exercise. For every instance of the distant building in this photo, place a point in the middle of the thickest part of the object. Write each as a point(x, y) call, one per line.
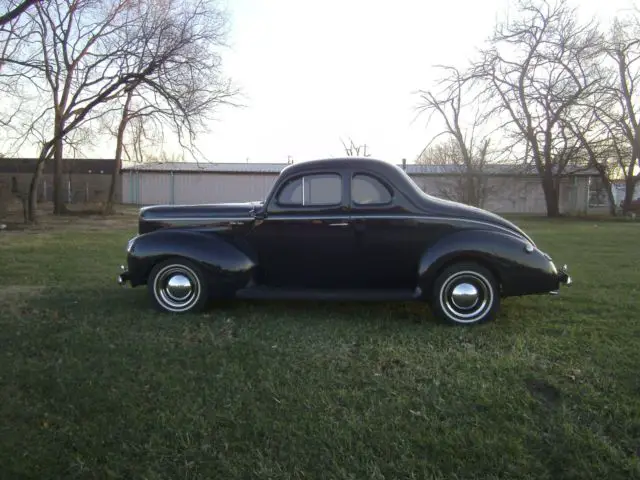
point(619, 188)
point(508, 189)
point(184, 183)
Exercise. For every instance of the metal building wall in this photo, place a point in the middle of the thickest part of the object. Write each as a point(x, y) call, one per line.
point(146, 188)
point(510, 194)
point(153, 188)
point(214, 188)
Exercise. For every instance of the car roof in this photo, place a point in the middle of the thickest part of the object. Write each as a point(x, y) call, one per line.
point(378, 165)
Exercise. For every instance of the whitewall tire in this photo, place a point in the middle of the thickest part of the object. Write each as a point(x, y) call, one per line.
point(178, 285)
point(465, 294)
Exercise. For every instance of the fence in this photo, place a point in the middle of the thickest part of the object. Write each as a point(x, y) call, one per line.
point(78, 188)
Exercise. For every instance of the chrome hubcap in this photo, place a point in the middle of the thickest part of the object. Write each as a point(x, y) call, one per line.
point(176, 288)
point(466, 296)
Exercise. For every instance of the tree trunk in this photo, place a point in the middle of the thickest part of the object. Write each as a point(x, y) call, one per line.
point(481, 191)
point(33, 187)
point(59, 204)
point(611, 199)
point(609, 188)
point(550, 194)
point(470, 189)
point(108, 209)
point(630, 186)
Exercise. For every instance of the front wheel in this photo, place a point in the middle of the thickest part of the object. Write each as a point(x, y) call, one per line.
point(178, 285)
point(465, 294)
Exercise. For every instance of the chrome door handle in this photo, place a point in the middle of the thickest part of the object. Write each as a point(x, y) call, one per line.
point(341, 224)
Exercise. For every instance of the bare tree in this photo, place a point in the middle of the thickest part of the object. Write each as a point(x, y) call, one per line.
point(454, 180)
point(597, 143)
point(621, 114)
point(353, 150)
point(76, 67)
point(91, 53)
point(180, 38)
point(538, 66)
point(468, 152)
point(14, 10)
point(15, 29)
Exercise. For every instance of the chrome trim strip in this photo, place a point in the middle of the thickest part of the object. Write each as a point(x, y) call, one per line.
point(242, 220)
point(199, 219)
point(394, 217)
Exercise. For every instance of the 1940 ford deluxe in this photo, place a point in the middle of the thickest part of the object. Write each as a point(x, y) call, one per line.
point(349, 229)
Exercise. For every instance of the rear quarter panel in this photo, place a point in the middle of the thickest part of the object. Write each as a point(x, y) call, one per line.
point(518, 271)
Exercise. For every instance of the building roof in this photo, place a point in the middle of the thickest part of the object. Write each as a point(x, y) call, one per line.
point(69, 165)
point(495, 169)
point(192, 167)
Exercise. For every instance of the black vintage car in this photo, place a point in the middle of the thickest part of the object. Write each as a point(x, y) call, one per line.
point(352, 228)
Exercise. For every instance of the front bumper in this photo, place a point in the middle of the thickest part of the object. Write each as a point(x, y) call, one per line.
point(124, 277)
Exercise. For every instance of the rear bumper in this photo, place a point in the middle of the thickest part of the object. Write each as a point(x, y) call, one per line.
point(563, 278)
point(123, 278)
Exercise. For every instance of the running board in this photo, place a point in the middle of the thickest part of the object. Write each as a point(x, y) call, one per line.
point(275, 293)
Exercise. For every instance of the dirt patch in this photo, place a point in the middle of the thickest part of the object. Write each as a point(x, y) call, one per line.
point(543, 391)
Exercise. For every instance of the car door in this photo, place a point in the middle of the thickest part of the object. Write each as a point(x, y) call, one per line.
point(305, 239)
point(389, 241)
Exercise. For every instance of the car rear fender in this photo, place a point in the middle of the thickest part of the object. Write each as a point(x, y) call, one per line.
point(228, 265)
point(505, 255)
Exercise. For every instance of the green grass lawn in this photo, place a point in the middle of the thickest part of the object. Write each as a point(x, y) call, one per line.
point(93, 384)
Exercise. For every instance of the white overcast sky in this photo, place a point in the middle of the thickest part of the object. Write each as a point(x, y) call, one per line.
point(313, 72)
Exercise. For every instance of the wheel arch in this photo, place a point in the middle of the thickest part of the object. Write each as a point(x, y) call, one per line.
point(144, 270)
point(230, 267)
point(480, 258)
point(500, 253)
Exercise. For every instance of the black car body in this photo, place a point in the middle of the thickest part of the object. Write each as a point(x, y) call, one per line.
point(347, 228)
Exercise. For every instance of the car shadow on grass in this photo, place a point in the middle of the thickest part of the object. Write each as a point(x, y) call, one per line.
point(114, 303)
point(117, 304)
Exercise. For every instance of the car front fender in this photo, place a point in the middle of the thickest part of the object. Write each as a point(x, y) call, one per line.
point(519, 267)
point(229, 266)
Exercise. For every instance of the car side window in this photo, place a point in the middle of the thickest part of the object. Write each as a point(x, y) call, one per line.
point(312, 190)
point(368, 190)
point(291, 193)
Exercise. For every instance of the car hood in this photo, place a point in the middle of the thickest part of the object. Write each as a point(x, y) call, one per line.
point(159, 216)
point(460, 210)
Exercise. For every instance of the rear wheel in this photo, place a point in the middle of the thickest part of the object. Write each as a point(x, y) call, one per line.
point(178, 285)
point(465, 294)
